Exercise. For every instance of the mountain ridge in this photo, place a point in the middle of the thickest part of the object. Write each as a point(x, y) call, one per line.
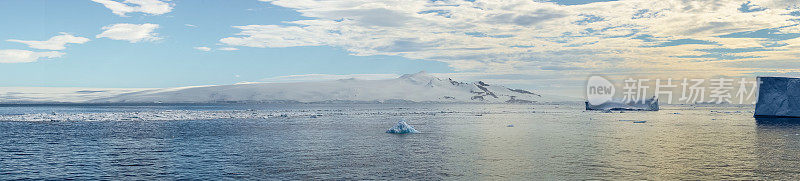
point(418, 87)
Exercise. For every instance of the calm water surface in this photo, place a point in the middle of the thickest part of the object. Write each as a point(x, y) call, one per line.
point(347, 141)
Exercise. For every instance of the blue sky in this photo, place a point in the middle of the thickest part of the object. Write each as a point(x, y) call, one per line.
point(171, 61)
point(540, 45)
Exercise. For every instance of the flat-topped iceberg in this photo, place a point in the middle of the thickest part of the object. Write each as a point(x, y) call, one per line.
point(648, 105)
point(402, 128)
point(778, 97)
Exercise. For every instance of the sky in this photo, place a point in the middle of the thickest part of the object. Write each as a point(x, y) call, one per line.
point(549, 46)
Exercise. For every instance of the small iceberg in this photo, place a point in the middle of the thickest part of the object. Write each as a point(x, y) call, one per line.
point(402, 128)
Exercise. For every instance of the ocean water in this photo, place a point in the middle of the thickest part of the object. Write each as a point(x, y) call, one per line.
point(347, 141)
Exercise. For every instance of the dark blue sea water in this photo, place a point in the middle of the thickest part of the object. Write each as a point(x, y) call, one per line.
point(347, 141)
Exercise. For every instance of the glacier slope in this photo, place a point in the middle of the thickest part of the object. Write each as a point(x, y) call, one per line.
point(419, 87)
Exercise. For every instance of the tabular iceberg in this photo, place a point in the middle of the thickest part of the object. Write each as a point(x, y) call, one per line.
point(778, 97)
point(648, 105)
point(402, 128)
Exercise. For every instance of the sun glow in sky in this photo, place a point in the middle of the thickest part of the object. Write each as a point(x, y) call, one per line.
point(540, 45)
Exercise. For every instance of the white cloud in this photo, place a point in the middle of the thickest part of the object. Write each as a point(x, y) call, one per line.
point(190, 25)
point(533, 37)
point(228, 49)
point(121, 8)
point(130, 32)
point(276, 36)
point(205, 49)
point(323, 77)
point(54, 43)
point(25, 56)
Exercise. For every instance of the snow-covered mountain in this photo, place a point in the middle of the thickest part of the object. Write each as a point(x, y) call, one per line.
point(419, 87)
point(59, 94)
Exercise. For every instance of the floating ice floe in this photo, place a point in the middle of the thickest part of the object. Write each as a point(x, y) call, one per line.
point(634, 121)
point(402, 128)
point(166, 115)
point(175, 115)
